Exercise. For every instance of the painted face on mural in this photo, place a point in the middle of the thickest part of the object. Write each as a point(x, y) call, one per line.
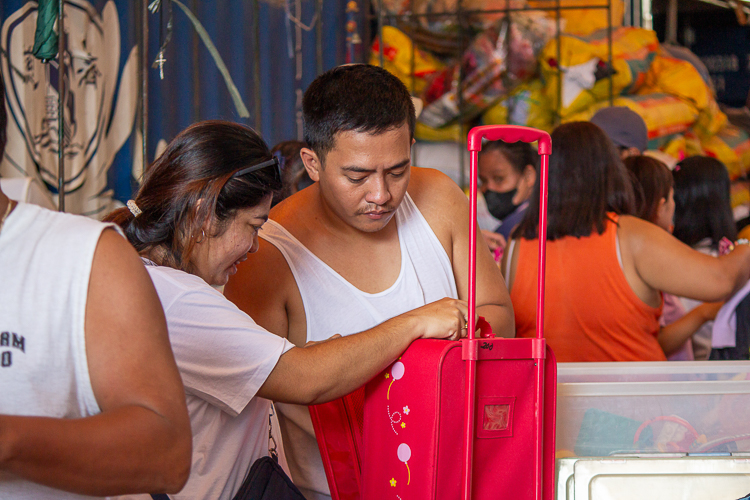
point(91, 64)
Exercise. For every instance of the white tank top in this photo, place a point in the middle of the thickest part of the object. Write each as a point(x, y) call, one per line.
point(333, 305)
point(45, 263)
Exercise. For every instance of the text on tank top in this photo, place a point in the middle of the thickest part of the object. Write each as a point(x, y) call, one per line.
point(45, 264)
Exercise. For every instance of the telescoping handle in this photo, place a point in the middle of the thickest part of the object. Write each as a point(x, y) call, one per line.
point(507, 133)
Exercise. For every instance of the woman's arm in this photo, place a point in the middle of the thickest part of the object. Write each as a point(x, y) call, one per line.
point(328, 370)
point(654, 259)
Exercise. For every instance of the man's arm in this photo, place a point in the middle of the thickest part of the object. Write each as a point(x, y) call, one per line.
point(141, 440)
point(446, 209)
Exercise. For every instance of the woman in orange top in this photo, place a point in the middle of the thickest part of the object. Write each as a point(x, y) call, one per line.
point(605, 267)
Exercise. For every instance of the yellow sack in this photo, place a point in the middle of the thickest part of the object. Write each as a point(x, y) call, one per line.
point(739, 194)
point(676, 147)
point(710, 120)
point(451, 133)
point(664, 115)
point(678, 78)
point(681, 146)
point(583, 21)
point(528, 106)
point(731, 146)
point(397, 51)
point(633, 50)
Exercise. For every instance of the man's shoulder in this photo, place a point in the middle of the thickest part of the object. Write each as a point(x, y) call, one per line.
point(295, 210)
point(435, 193)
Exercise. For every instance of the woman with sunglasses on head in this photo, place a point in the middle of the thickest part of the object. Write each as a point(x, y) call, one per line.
point(195, 217)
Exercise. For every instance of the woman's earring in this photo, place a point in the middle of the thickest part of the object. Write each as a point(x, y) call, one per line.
point(203, 236)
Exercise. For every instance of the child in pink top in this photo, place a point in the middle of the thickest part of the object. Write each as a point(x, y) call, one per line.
point(654, 189)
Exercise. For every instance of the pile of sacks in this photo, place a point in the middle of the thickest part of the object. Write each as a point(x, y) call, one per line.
point(667, 86)
point(660, 83)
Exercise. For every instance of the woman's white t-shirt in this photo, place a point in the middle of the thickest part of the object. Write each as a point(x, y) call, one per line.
point(224, 357)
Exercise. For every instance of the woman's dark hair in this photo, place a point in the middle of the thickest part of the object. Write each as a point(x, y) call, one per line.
point(652, 181)
point(702, 204)
point(294, 177)
point(354, 97)
point(193, 182)
point(586, 180)
point(518, 154)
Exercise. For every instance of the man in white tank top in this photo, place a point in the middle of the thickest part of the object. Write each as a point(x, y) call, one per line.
point(372, 238)
point(91, 401)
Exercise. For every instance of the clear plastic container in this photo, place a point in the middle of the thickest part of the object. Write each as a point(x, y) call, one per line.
point(671, 407)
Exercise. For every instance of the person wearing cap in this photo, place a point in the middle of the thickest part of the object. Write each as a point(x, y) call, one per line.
point(625, 128)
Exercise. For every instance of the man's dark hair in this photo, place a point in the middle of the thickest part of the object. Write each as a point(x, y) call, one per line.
point(194, 180)
point(357, 97)
point(587, 180)
point(702, 204)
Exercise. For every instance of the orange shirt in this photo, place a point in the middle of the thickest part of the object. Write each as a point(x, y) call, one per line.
point(590, 313)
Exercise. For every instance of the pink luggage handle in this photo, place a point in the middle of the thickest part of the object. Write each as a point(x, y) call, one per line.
point(507, 133)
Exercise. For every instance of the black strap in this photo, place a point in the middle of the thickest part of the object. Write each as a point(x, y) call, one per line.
point(246, 483)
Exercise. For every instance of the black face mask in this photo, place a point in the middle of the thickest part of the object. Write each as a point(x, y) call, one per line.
point(499, 204)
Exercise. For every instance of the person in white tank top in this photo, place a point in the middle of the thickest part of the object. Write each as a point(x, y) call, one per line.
point(371, 238)
point(90, 397)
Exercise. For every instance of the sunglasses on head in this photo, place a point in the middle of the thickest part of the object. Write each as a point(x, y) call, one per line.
point(252, 168)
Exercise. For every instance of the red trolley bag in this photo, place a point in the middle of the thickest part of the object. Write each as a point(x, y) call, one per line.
point(473, 418)
point(421, 434)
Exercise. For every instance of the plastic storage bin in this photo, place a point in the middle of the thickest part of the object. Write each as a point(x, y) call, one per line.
point(672, 407)
point(694, 478)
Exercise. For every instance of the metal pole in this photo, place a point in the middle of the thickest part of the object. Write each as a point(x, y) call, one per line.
point(196, 72)
point(256, 64)
point(412, 65)
point(558, 31)
point(298, 69)
point(61, 106)
point(609, 57)
point(460, 96)
point(671, 35)
point(507, 83)
point(380, 34)
point(319, 36)
point(144, 83)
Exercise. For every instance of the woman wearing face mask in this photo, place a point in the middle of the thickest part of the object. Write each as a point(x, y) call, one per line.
point(507, 173)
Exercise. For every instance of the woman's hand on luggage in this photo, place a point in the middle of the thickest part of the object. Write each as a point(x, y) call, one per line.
point(445, 318)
